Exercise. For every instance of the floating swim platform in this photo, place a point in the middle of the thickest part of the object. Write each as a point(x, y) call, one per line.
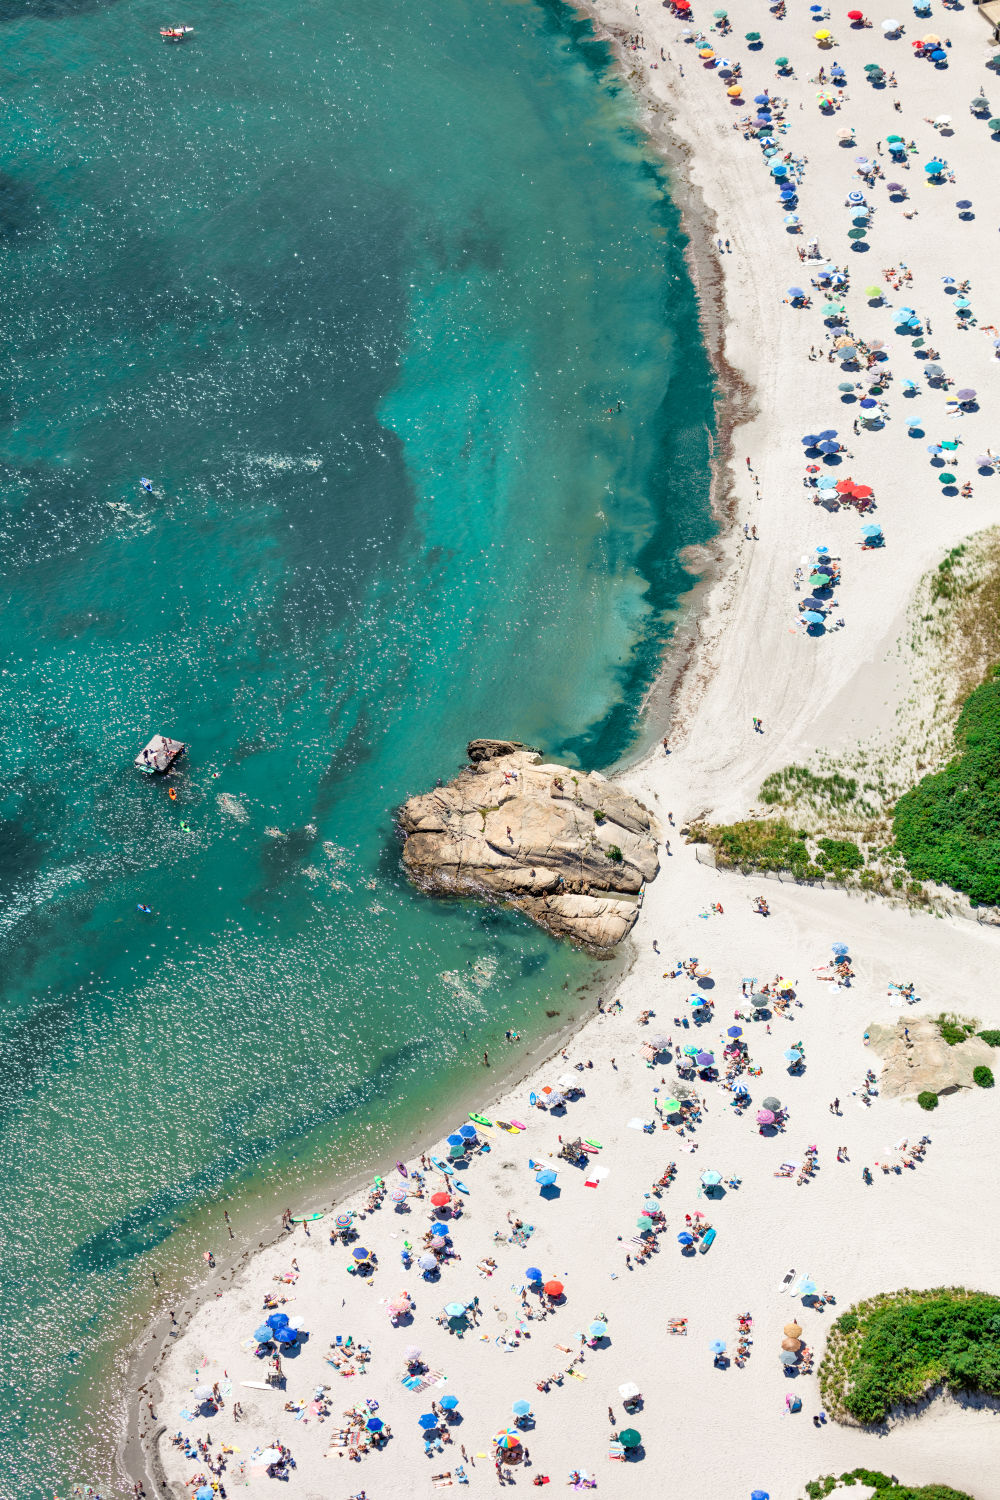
point(159, 755)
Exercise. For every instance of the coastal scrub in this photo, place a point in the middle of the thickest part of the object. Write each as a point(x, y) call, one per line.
point(892, 1349)
point(884, 1484)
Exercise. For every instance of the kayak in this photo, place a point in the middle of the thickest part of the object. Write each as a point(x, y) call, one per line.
point(461, 1186)
point(443, 1166)
point(480, 1120)
point(401, 1169)
point(596, 1144)
point(306, 1218)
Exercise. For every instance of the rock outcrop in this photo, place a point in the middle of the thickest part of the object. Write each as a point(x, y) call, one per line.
point(568, 848)
point(923, 1060)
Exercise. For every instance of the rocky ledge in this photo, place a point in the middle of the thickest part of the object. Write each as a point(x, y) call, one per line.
point(918, 1059)
point(568, 848)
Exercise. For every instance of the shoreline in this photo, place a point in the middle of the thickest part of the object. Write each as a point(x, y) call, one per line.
point(697, 779)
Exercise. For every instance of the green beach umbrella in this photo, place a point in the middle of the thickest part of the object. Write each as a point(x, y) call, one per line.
point(845, 385)
point(856, 234)
point(720, 15)
point(672, 1107)
point(782, 62)
point(872, 68)
point(832, 309)
point(894, 140)
point(947, 478)
point(994, 124)
point(819, 581)
point(630, 1438)
point(874, 291)
point(753, 36)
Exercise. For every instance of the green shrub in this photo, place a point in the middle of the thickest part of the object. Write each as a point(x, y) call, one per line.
point(948, 825)
point(599, 815)
point(927, 1100)
point(983, 1076)
point(614, 854)
point(991, 1038)
point(847, 1322)
point(840, 854)
point(908, 1342)
point(954, 1029)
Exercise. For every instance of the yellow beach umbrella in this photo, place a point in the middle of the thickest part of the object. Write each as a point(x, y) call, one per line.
point(822, 36)
point(706, 52)
point(735, 91)
point(930, 40)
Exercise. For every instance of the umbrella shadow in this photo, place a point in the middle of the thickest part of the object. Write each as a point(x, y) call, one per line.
point(550, 1191)
point(949, 490)
point(706, 982)
point(716, 1191)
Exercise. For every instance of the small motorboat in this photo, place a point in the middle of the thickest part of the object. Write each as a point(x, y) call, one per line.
point(146, 484)
point(175, 33)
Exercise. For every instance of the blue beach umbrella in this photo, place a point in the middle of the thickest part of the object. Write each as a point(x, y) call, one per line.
point(685, 1239)
point(778, 169)
point(456, 1140)
point(840, 949)
point(467, 1132)
point(449, 1402)
point(791, 218)
point(360, 1254)
point(868, 404)
point(277, 1320)
point(855, 196)
point(871, 530)
point(521, 1408)
point(533, 1274)
point(807, 1289)
point(934, 168)
point(455, 1309)
point(375, 1424)
point(735, 1031)
point(810, 440)
point(711, 1179)
point(206, 1492)
point(828, 447)
point(718, 1346)
point(795, 291)
point(263, 1334)
point(826, 482)
point(597, 1329)
point(939, 54)
point(828, 432)
point(546, 1178)
point(811, 617)
point(759, 1495)
point(428, 1421)
point(284, 1336)
point(792, 1056)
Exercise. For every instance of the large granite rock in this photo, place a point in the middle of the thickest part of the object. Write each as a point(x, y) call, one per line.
point(537, 836)
point(923, 1060)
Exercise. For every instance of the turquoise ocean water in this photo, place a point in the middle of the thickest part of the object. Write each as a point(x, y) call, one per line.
point(355, 287)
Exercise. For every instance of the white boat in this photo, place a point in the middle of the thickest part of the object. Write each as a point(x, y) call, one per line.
point(175, 33)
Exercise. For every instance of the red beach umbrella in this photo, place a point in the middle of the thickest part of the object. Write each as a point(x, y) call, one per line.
point(855, 15)
point(845, 487)
point(553, 1289)
point(440, 1199)
point(863, 491)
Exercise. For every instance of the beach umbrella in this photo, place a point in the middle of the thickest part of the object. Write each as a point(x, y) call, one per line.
point(781, 62)
point(297, 1323)
point(965, 395)
point(753, 36)
point(597, 1329)
point(939, 56)
point(933, 370)
point(468, 1132)
point(819, 581)
point(817, 604)
point(720, 15)
point(428, 1421)
point(644, 1225)
point(735, 91)
point(811, 617)
point(545, 1178)
point(277, 1320)
point(860, 216)
point(711, 1179)
point(533, 1275)
point(284, 1336)
point(269, 1456)
point(684, 1238)
point(206, 1492)
point(871, 530)
point(760, 1001)
point(629, 1438)
point(705, 1059)
point(455, 1140)
point(855, 196)
point(793, 1344)
point(553, 1288)
point(874, 291)
point(449, 1402)
point(718, 1346)
point(203, 1393)
point(947, 478)
point(411, 1354)
point(869, 403)
point(440, 1200)
point(795, 291)
point(778, 169)
point(759, 1495)
point(375, 1424)
point(933, 168)
point(807, 1289)
point(507, 1439)
point(761, 99)
point(832, 310)
point(361, 1254)
point(735, 1031)
point(455, 1309)
point(856, 234)
point(400, 1305)
point(791, 218)
point(427, 1262)
point(888, 26)
point(765, 1117)
point(792, 1330)
point(787, 1357)
point(262, 1334)
point(810, 440)
point(521, 1408)
point(671, 1107)
point(398, 1195)
point(827, 481)
point(771, 1102)
point(822, 36)
point(855, 15)
point(994, 125)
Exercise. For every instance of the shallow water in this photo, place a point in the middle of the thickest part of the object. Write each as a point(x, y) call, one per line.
point(356, 291)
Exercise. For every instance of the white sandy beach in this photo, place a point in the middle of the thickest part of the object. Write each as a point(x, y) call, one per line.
point(718, 1432)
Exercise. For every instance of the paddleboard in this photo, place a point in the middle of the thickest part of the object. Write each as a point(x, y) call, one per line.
point(706, 1241)
point(596, 1144)
point(520, 1124)
point(790, 1277)
point(306, 1218)
point(532, 1099)
point(461, 1186)
point(259, 1385)
point(480, 1120)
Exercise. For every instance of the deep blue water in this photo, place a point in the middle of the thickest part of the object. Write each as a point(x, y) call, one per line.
point(356, 289)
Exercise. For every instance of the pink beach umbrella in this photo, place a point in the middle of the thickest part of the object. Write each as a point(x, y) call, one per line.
point(765, 1117)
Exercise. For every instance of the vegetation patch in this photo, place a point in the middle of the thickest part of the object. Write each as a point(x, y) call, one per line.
point(983, 1076)
point(884, 1484)
point(892, 1349)
point(991, 1038)
point(927, 1099)
point(773, 844)
point(954, 1029)
point(948, 825)
point(614, 854)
